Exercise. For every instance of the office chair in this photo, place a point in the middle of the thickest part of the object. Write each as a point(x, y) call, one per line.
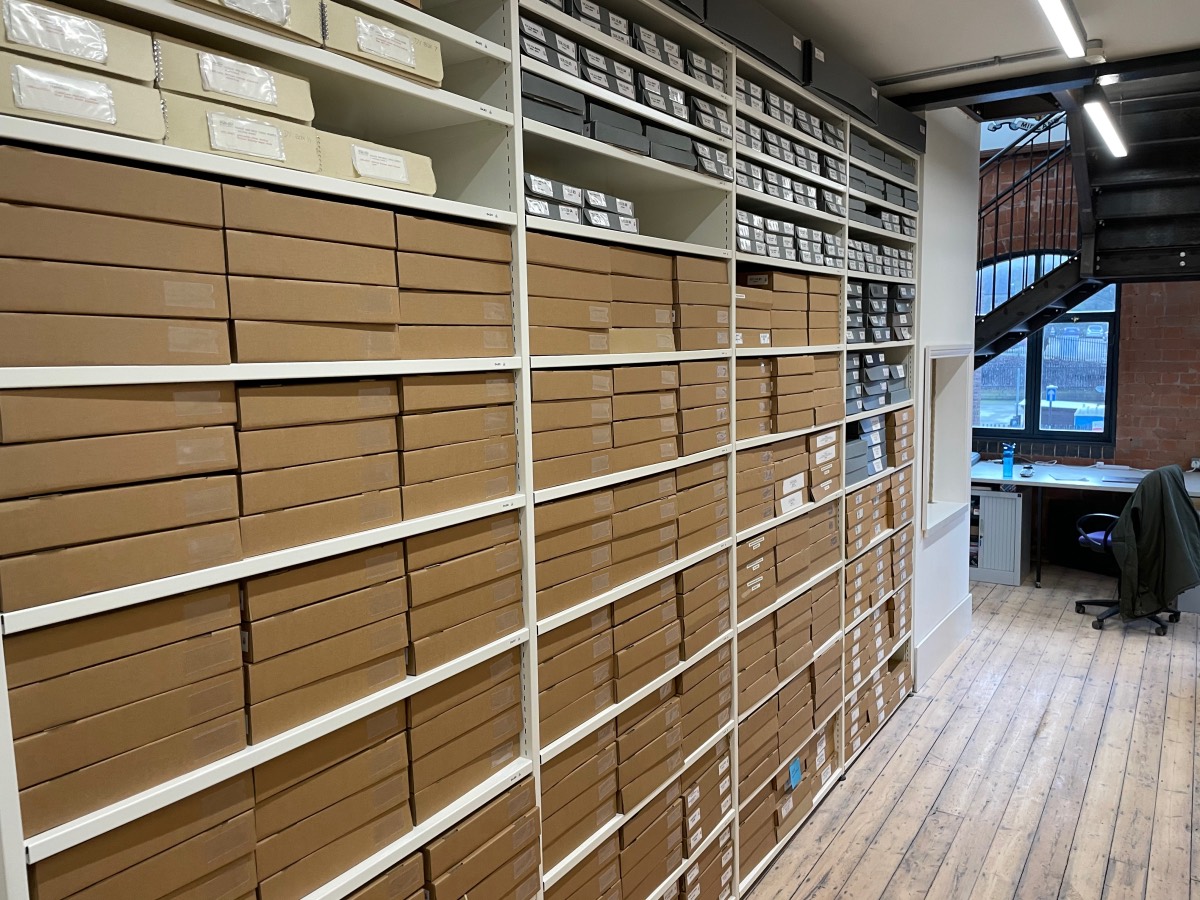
point(1096, 535)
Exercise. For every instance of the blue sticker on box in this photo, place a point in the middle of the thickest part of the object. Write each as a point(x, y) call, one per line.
point(794, 773)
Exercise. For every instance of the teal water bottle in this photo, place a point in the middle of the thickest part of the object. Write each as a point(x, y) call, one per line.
point(1009, 451)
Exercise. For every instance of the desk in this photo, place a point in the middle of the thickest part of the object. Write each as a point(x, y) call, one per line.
point(1114, 479)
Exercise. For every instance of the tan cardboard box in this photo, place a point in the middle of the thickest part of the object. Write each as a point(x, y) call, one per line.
point(38, 89)
point(575, 714)
point(469, 537)
point(265, 638)
point(69, 236)
point(415, 234)
point(402, 880)
point(313, 342)
point(444, 309)
point(571, 441)
point(573, 539)
point(277, 675)
point(363, 162)
point(431, 273)
point(688, 339)
point(241, 134)
point(547, 281)
point(460, 751)
point(197, 71)
point(482, 868)
point(336, 857)
point(55, 413)
point(276, 256)
point(551, 311)
point(264, 211)
point(81, 517)
point(563, 253)
point(644, 405)
point(432, 497)
point(299, 403)
point(382, 43)
point(349, 811)
point(463, 573)
point(641, 340)
point(703, 372)
point(287, 710)
point(280, 300)
point(293, 526)
point(692, 268)
point(270, 595)
point(641, 264)
point(86, 864)
point(49, 287)
point(572, 384)
point(434, 429)
point(641, 315)
point(632, 494)
point(631, 289)
point(55, 802)
point(90, 691)
point(430, 652)
point(49, 576)
point(50, 754)
point(34, 178)
point(451, 848)
point(65, 35)
point(430, 618)
point(464, 458)
point(284, 448)
point(585, 508)
point(421, 393)
point(545, 340)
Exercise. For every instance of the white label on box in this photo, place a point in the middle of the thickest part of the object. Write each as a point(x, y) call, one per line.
point(624, 207)
point(536, 50)
point(622, 71)
point(572, 194)
point(568, 214)
point(533, 30)
point(564, 46)
point(537, 207)
point(386, 43)
point(595, 198)
point(51, 29)
point(597, 78)
point(598, 218)
point(592, 58)
point(79, 98)
point(253, 137)
point(277, 12)
point(590, 9)
point(628, 225)
point(820, 756)
point(626, 90)
point(377, 164)
point(222, 75)
point(543, 186)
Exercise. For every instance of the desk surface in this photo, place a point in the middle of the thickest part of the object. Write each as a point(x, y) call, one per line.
point(1088, 478)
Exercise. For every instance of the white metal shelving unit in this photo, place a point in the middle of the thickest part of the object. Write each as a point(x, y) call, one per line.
point(482, 146)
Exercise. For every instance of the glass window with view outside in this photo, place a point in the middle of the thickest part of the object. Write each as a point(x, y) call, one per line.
point(1000, 386)
point(1074, 372)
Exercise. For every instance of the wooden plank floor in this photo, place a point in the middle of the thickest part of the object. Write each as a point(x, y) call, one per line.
point(1044, 759)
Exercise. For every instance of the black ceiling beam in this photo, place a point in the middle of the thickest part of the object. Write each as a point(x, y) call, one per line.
point(1070, 79)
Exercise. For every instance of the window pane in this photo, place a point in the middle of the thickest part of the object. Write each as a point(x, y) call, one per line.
point(1074, 376)
point(1104, 301)
point(1000, 390)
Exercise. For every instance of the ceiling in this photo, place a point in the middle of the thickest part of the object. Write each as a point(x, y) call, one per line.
point(885, 39)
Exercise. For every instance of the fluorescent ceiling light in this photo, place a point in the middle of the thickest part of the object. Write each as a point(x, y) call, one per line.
point(1098, 110)
point(1067, 27)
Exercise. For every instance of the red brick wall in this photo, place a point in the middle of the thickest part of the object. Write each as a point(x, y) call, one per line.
point(1158, 387)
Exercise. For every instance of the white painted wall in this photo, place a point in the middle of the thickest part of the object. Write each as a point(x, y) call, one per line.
point(946, 316)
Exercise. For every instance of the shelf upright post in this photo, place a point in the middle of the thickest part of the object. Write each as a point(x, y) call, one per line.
point(14, 884)
point(531, 733)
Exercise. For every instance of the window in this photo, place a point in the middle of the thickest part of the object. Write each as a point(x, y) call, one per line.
point(1067, 373)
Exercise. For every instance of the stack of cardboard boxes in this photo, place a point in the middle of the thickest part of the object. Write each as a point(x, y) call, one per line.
point(587, 298)
point(901, 433)
point(702, 304)
point(703, 603)
point(866, 517)
point(651, 845)
point(450, 461)
point(319, 636)
point(707, 692)
point(591, 543)
point(579, 795)
point(105, 707)
point(643, 293)
point(778, 395)
point(870, 705)
point(320, 461)
point(109, 265)
point(804, 310)
point(102, 487)
point(119, 265)
point(99, 720)
point(597, 875)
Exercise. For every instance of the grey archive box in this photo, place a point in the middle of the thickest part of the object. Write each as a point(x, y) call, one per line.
point(756, 28)
point(543, 90)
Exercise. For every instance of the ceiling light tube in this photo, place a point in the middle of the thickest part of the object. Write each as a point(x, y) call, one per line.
point(1095, 104)
point(1066, 25)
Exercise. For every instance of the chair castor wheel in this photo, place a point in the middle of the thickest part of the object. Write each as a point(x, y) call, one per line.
point(1173, 617)
point(1098, 625)
point(1079, 608)
point(1161, 630)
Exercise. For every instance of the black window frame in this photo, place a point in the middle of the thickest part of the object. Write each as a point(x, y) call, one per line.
point(1032, 432)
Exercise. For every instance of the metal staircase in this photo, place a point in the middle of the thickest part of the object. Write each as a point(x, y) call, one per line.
point(1031, 269)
